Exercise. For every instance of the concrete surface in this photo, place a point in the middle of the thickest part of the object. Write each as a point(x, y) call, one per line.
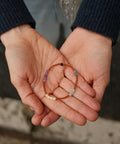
point(14, 116)
point(102, 131)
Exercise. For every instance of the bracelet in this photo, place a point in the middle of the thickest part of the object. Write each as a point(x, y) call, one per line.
point(47, 95)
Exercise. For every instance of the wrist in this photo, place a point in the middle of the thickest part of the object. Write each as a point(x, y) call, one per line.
point(86, 41)
point(90, 36)
point(14, 34)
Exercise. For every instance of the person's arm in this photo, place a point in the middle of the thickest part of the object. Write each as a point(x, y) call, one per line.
point(89, 46)
point(100, 16)
point(14, 13)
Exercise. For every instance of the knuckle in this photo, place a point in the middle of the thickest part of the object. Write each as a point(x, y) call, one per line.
point(26, 98)
point(81, 108)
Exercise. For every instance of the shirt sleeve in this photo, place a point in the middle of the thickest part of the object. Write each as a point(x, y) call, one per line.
point(100, 16)
point(14, 13)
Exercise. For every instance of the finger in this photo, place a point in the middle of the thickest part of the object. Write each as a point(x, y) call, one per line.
point(81, 82)
point(37, 118)
point(77, 105)
point(54, 77)
point(80, 95)
point(45, 119)
point(65, 111)
point(27, 96)
point(49, 119)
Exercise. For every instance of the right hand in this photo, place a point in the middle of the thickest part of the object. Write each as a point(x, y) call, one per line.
point(29, 55)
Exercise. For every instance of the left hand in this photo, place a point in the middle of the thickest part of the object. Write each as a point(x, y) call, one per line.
point(90, 54)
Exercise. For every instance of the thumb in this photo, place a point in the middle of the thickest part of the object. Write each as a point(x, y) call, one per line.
point(27, 95)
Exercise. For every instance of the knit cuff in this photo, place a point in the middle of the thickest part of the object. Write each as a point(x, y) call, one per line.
point(14, 13)
point(100, 16)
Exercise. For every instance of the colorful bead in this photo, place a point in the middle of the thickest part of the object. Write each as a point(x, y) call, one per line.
point(61, 64)
point(75, 73)
point(45, 76)
point(50, 97)
point(47, 95)
point(72, 92)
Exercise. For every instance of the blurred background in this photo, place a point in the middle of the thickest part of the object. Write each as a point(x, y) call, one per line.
point(53, 21)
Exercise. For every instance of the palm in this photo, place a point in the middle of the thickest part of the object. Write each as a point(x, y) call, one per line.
point(30, 62)
point(91, 58)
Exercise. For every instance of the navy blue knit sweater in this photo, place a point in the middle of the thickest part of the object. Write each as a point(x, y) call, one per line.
point(101, 16)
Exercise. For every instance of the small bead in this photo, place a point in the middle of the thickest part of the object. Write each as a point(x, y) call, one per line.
point(72, 92)
point(75, 73)
point(46, 95)
point(45, 76)
point(61, 64)
point(49, 97)
point(47, 72)
point(54, 98)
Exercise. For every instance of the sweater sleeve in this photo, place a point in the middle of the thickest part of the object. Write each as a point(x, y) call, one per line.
point(100, 16)
point(14, 13)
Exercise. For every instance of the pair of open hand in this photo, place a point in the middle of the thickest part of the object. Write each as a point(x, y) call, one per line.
point(29, 55)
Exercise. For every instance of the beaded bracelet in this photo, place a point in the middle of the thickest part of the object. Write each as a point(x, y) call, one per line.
point(47, 95)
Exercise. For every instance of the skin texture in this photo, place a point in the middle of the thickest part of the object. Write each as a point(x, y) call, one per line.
point(90, 54)
point(29, 55)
